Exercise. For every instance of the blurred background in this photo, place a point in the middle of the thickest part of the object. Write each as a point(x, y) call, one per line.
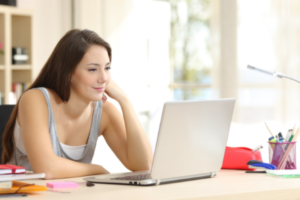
point(170, 50)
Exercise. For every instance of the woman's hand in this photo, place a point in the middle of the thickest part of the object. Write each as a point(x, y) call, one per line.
point(114, 92)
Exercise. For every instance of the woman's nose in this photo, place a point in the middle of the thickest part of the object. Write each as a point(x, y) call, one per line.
point(103, 77)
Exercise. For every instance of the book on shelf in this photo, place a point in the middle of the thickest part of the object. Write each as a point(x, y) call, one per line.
point(17, 89)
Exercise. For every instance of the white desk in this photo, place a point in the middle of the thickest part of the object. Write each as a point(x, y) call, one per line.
point(228, 184)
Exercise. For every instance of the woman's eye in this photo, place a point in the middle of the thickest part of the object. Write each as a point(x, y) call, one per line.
point(92, 70)
point(108, 68)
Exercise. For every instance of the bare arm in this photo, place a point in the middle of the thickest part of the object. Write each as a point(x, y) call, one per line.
point(33, 115)
point(125, 135)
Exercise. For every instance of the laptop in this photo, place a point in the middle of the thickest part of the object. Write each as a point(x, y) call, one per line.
point(190, 145)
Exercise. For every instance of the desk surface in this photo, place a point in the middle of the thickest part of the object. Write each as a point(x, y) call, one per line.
point(228, 184)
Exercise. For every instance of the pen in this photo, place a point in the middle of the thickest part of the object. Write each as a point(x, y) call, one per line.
point(291, 138)
point(288, 135)
point(273, 140)
point(280, 135)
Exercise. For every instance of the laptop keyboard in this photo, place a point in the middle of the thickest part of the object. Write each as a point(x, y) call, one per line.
point(134, 178)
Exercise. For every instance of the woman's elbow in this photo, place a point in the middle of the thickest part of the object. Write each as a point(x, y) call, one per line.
point(48, 176)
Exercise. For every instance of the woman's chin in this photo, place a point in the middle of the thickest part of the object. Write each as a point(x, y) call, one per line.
point(97, 98)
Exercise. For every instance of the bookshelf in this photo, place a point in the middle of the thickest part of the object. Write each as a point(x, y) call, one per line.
point(15, 31)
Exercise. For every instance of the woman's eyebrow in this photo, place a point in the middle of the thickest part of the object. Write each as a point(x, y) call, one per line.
point(94, 64)
point(98, 64)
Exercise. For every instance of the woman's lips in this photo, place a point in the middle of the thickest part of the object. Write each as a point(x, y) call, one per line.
point(99, 89)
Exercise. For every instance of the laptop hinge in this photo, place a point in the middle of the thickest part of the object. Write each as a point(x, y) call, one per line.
point(213, 174)
point(157, 182)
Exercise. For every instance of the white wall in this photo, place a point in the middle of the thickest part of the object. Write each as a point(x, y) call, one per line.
point(89, 15)
point(52, 19)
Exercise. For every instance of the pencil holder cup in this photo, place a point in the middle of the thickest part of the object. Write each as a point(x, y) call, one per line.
point(283, 155)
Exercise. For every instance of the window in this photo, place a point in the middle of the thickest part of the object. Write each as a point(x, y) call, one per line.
point(190, 57)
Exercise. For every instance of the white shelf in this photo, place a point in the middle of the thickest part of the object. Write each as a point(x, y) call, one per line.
point(16, 30)
point(21, 67)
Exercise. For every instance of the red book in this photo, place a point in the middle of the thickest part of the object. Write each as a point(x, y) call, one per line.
point(11, 169)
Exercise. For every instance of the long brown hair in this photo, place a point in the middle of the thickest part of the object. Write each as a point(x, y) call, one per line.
point(56, 74)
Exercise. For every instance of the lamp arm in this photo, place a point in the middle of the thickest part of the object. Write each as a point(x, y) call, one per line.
point(288, 77)
point(276, 74)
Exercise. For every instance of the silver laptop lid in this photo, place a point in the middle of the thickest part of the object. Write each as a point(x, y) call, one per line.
point(192, 138)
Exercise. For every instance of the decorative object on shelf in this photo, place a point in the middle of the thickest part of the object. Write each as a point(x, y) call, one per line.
point(1, 51)
point(8, 2)
point(19, 55)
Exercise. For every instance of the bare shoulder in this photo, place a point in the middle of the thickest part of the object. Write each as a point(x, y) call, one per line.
point(32, 101)
point(31, 94)
point(32, 97)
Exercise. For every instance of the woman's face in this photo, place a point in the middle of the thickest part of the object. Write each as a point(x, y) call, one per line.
point(92, 74)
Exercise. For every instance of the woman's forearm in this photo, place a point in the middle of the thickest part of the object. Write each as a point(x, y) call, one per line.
point(64, 168)
point(139, 151)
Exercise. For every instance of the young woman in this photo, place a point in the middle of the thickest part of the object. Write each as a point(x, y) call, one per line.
point(56, 123)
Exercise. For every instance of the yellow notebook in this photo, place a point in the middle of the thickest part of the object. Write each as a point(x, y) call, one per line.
point(23, 188)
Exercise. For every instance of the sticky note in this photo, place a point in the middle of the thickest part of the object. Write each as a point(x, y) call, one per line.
point(64, 184)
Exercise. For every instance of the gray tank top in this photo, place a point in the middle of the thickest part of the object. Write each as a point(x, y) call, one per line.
point(22, 160)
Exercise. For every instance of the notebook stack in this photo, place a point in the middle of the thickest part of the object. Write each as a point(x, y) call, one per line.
point(11, 169)
point(10, 173)
point(5, 185)
point(6, 171)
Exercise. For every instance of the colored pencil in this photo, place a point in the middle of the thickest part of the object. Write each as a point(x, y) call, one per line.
point(269, 129)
